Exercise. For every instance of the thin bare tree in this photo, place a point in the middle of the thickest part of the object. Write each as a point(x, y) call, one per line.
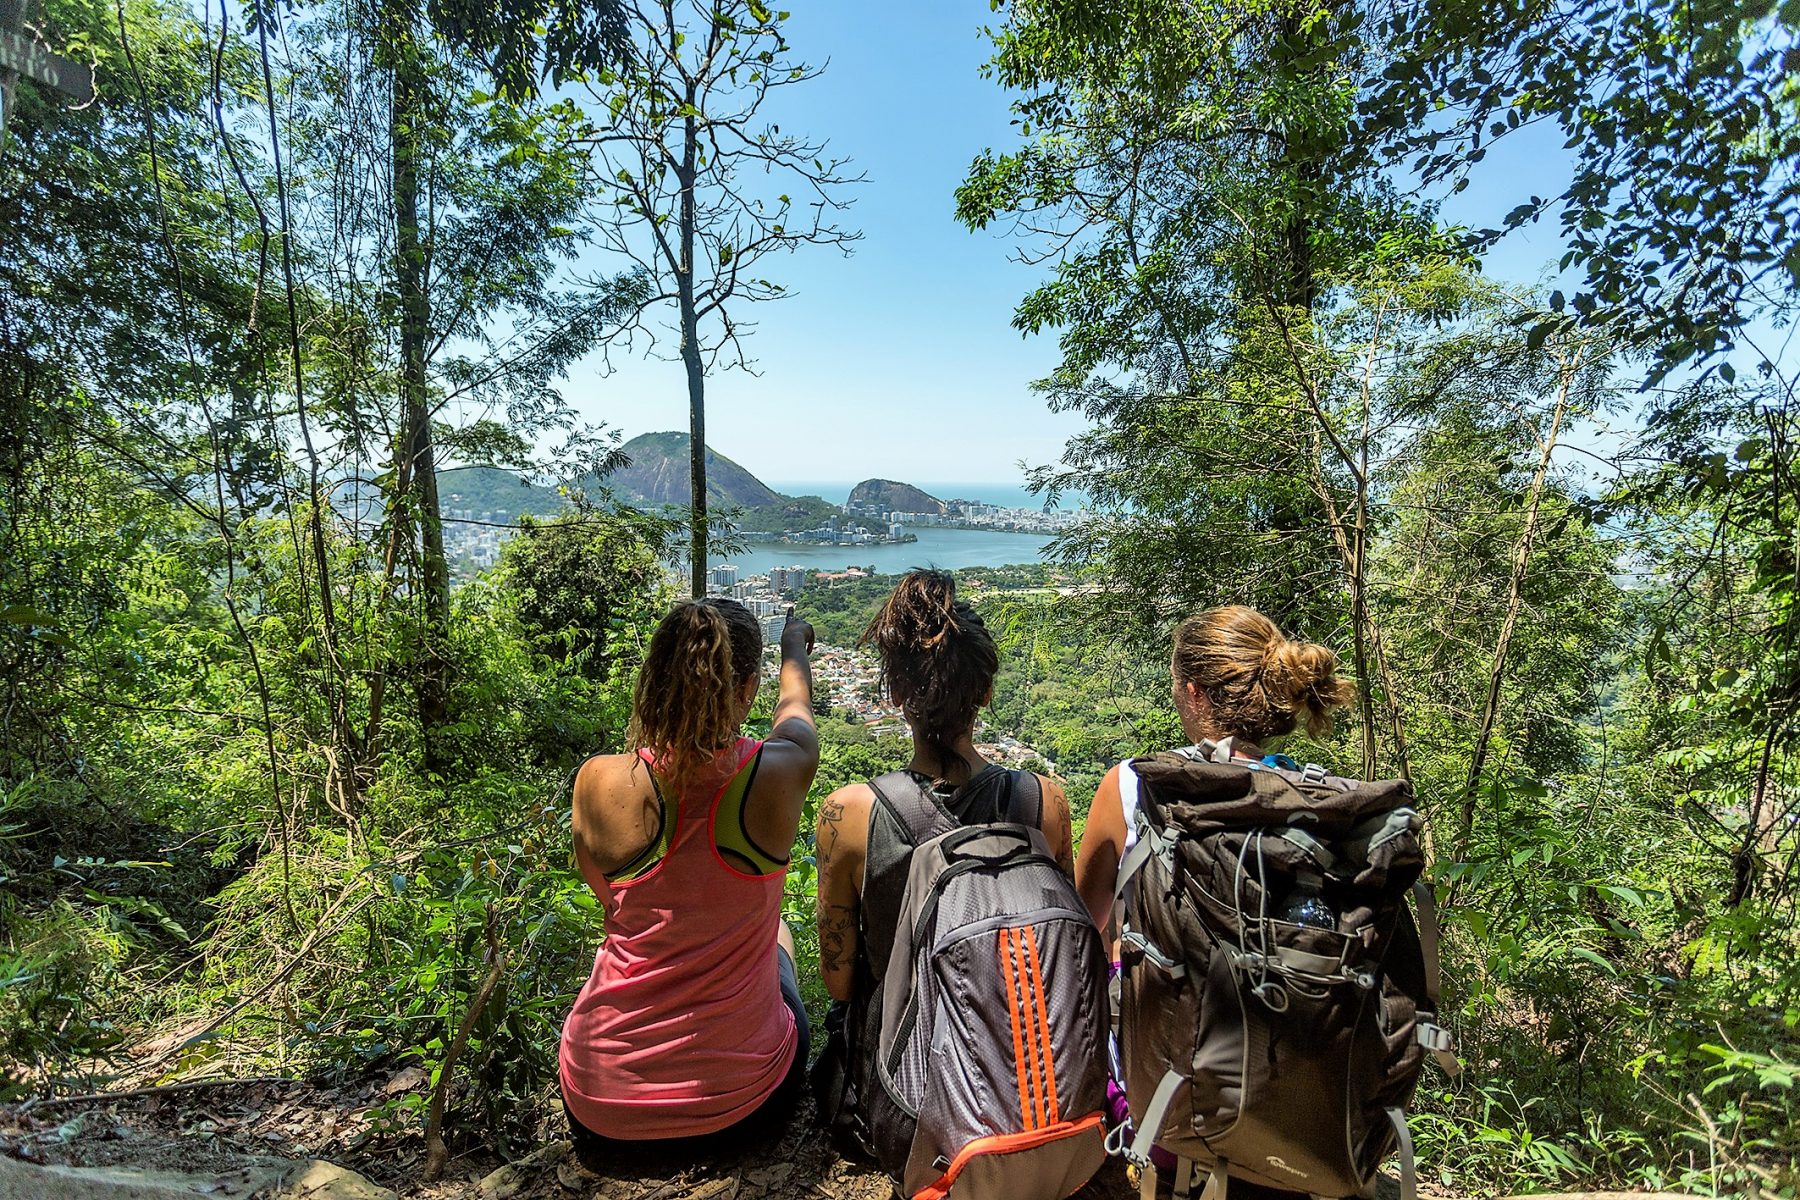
point(697, 187)
point(1569, 361)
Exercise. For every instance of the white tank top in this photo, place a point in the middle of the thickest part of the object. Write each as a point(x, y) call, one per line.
point(1128, 802)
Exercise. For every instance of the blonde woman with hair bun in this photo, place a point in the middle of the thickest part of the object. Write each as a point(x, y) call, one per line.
point(1236, 676)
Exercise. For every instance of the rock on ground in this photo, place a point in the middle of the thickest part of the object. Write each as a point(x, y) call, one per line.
point(254, 1179)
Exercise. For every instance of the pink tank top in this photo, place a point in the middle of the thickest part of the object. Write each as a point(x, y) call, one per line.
point(681, 1029)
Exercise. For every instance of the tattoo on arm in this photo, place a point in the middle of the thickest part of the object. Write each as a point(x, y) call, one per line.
point(837, 936)
point(825, 832)
point(831, 813)
point(837, 922)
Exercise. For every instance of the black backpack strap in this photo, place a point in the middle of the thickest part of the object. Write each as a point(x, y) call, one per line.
point(997, 794)
point(1025, 799)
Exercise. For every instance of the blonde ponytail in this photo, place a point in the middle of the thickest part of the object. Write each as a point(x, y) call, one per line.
point(684, 708)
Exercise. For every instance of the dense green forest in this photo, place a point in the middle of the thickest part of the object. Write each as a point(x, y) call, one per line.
point(278, 799)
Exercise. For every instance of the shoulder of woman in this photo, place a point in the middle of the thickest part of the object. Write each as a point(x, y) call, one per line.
point(1106, 813)
point(844, 814)
point(603, 774)
point(787, 757)
point(849, 800)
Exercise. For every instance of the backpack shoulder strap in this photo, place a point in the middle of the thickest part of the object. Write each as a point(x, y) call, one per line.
point(1024, 799)
point(905, 816)
point(917, 816)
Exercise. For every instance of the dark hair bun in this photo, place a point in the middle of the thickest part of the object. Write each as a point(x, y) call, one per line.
point(938, 660)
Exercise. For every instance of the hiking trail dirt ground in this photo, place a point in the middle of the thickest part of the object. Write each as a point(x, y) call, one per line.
point(234, 1127)
point(218, 1134)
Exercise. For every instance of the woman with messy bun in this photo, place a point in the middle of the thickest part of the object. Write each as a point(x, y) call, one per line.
point(938, 663)
point(690, 1036)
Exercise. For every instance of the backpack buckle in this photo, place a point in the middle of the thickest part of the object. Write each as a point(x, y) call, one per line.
point(1435, 1038)
point(1312, 773)
point(1441, 1046)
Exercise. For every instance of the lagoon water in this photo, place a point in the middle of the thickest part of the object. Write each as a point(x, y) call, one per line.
point(948, 548)
point(1013, 494)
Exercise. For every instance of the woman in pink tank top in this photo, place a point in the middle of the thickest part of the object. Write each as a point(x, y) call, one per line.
point(690, 1036)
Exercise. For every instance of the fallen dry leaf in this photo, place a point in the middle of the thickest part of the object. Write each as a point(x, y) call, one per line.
point(573, 1176)
point(766, 1177)
point(404, 1081)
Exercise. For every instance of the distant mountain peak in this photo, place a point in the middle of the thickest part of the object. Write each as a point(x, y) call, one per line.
point(659, 474)
point(894, 496)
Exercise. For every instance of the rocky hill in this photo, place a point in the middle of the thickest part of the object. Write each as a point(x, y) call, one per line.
point(658, 474)
point(895, 497)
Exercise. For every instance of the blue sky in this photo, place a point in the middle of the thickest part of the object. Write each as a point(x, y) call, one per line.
point(901, 361)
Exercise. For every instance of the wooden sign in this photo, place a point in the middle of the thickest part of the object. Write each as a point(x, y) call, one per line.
point(35, 61)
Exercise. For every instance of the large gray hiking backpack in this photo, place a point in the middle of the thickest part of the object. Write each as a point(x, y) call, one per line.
point(1277, 998)
point(986, 1077)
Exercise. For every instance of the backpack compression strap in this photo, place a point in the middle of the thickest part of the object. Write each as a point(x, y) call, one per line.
point(1432, 1036)
point(1138, 1153)
point(1409, 1169)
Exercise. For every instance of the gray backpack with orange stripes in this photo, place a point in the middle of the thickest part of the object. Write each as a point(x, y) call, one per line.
point(989, 1074)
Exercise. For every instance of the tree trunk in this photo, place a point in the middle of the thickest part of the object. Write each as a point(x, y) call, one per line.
point(690, 358)
point(1490, 709)
point(1360, 626)
point(1298, 287)
point(419, 504)
point(696, 382)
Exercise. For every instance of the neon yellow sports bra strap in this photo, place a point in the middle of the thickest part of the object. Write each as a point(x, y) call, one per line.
point(733, 840)
point(658, 847)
